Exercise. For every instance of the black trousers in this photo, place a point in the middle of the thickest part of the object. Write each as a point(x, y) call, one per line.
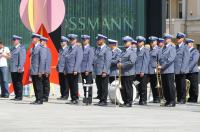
point(127, 89)
point(169, 90)
point(193, 78)
point(64, 87)
point(17, 83)
point(38, 87)
point(102, 87)
point(88, 80)
point(72, 80)
point(180, 87)
point(112, 78)
point(153, 84)
point(46, 86)
point(142, 87)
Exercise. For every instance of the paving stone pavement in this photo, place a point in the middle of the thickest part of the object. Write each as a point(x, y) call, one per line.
point(57, 116)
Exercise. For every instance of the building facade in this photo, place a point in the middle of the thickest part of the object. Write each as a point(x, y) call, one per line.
point(184, 16)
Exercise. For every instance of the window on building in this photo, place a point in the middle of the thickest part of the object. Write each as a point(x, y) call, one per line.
point(167, 8)
point(180, 10)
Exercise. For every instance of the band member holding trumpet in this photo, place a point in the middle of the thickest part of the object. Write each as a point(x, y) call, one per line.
point(181, 67)
point(154, 54)
point(141, 65)
point(192, 76)
point(116, 52)
point(126, 66)
point(166, 61)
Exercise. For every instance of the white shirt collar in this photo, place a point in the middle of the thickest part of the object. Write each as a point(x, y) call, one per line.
point(128, 48)
point(180, 44)
point(17, 45)
point(190, 48)
point(155, 47)
point(102, 46)
point(64, 47)
point(85, 46)
point(168, 44)
point(141, 48)
point(37, 44)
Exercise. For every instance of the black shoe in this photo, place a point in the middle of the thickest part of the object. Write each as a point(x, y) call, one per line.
point(14, 98)
point(181, 102)
point(5, 96)
point(167, 103)
point(122, 105)
point(84, 100)
point(129, 105)
point(142, 103)
point(156, 101)
point(18, 99)
point(102, 103)
point(170, 105)
point(96, 97)
point(192, 101)
point(45, 100)
point(37, 102)
point(74, 101)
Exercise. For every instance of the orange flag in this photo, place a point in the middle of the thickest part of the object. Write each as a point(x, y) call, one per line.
point(54, 75)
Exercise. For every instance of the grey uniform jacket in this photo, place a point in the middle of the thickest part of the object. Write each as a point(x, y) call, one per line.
point(61, 59)
point(181, 61)
point(102, 60)
point(73, 59)
point(88, 58)
point(18, 57)
point(38, 58)
point(142, 61)
point(128, 59)
point(48, 61)
point(116, 53)
point(167, 58)
point(154, 54)
point(193, 63)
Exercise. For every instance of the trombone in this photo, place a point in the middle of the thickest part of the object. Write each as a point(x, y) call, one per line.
point(159, 85)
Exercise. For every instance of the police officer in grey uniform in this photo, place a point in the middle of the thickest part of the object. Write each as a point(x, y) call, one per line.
point(87, 67)
point(127, 66)
point(64, 87)
point(116, 52)
point(192, 76)
point(161, 43)
point(141, 65)
point(73, 60)
point(134, 45)
point(17, 60)
point(181, 67)
point(38, 59)
point(47, 71)
point(154, 54)
point(102, 62)
point(166, 61)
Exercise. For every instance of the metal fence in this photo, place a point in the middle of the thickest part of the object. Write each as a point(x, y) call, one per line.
point(10, 22)
point(114, 18)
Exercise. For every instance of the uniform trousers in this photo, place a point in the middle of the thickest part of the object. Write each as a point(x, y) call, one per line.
point(102, 87)
point(17, 83)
